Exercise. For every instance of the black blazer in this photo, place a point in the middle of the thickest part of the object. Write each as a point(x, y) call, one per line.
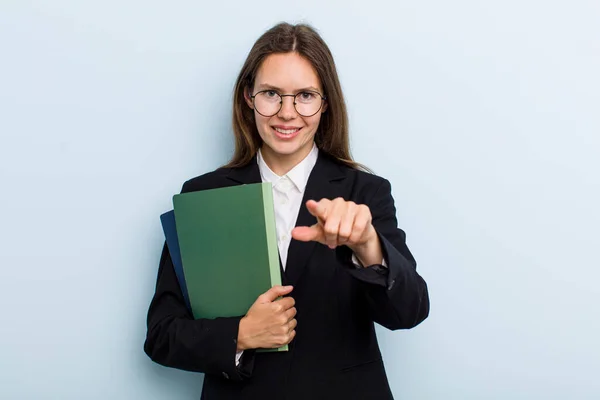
point(335, 354)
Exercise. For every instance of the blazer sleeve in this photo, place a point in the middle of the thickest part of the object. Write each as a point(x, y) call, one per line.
point(175, 339)
point(396, 296)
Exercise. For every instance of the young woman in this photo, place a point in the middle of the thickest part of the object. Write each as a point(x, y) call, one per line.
point(345, 264)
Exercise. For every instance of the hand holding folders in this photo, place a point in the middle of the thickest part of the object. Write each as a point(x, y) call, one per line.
point(269, 322)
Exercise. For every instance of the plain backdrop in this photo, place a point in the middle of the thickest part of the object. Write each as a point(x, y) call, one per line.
point(483, 115)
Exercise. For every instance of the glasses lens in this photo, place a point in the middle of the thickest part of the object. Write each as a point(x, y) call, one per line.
point(267, 102)
point(308, 103)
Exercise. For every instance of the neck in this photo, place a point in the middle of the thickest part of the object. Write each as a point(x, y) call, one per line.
point(281, 164)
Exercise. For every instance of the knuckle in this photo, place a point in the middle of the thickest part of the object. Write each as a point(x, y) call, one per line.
point(360, 223)
point(360, 229)
point(330, 231)
point(331, 226)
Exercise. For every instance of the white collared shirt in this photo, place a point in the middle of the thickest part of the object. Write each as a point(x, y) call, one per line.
point(288, 191)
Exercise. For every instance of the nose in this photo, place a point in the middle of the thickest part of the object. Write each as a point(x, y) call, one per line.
point(288, 110)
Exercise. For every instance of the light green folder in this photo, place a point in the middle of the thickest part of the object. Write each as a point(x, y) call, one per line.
point(228, 245)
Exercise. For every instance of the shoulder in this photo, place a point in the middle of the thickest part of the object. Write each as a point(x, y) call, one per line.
point(365, 184)
point(370, 189)
point(357, 185)
point(209, 180)
point(364, 177)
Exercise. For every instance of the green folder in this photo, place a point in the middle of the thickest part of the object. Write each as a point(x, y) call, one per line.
point(228, 245)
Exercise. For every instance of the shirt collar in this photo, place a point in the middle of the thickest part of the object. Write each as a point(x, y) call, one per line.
point(298, 175)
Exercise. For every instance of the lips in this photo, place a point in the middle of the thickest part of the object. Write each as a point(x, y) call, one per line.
point(286, 132)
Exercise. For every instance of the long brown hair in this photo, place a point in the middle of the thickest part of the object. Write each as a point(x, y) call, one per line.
point(332, 136)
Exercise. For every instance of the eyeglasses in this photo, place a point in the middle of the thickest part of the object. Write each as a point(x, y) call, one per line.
point(268, 102)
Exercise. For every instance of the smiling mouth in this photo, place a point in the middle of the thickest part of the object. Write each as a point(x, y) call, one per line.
point(287, 131)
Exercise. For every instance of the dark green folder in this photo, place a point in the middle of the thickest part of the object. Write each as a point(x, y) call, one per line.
point(228, 245)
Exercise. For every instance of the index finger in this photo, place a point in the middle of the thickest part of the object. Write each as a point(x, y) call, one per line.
point(318, 208)
point(286, 302)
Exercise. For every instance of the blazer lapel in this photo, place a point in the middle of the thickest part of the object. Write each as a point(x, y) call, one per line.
point(321, 184)
point(246, 174)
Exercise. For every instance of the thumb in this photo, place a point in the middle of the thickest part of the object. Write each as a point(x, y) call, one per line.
point(272, 294)
point(307, 233)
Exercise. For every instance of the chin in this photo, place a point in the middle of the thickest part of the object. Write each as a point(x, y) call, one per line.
point(287, 149)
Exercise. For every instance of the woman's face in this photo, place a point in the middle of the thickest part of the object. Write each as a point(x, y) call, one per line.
point(287, 136)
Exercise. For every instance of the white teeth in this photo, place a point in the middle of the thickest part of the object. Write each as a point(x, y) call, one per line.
point(287, 131)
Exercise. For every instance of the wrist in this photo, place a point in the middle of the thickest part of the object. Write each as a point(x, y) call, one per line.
point(241, 339)
point(368, 245)
point(369, 252)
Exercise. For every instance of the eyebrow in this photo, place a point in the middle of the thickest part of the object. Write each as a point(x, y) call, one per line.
point(266, 86)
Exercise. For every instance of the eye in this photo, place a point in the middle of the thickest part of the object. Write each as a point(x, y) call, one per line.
point(307, 96)
point(270, 93)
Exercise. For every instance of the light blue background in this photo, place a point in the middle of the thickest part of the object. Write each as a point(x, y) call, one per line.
point(483, 115)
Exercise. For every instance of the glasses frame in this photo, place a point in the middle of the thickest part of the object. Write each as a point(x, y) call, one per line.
point(281, 96)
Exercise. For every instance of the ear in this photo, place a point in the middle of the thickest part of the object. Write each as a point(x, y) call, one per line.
point(248, 98)
point(324, 108)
